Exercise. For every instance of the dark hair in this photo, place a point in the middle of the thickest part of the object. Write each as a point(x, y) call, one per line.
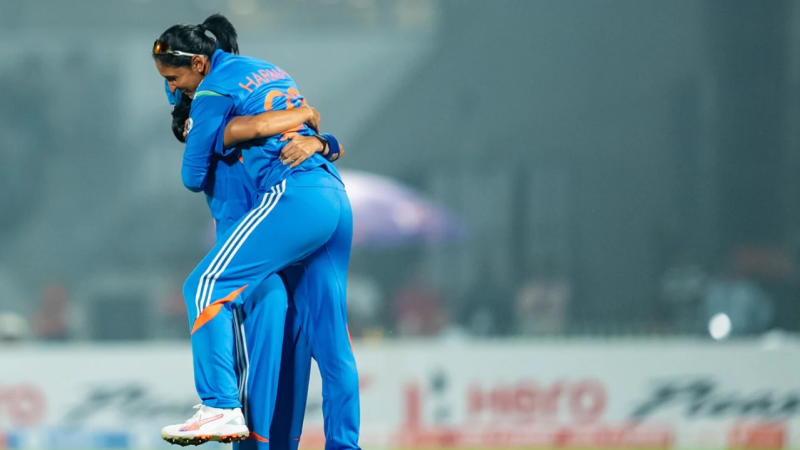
point(198, 39)
point(179, 115)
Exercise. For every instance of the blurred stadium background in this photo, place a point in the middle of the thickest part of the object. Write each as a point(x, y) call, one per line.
point(595, 243)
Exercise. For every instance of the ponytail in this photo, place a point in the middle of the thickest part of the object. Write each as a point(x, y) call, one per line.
point(223, 31)
point(215, 32)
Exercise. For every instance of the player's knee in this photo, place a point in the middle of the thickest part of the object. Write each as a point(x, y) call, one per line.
point(347, 384)
point(352, 382)
point(190, 288)
point(342, 372)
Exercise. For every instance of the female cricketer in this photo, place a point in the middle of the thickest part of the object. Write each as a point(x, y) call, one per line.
point(227, 194)
point(302, 218)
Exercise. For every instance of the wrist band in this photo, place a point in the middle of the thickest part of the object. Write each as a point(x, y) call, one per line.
point(333, 147)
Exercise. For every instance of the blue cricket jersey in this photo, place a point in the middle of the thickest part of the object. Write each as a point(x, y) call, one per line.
point(237, 86)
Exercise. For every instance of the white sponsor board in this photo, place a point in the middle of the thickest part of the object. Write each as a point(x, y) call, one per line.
point(618, 393)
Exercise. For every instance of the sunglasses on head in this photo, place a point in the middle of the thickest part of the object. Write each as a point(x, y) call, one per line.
point(162, 48)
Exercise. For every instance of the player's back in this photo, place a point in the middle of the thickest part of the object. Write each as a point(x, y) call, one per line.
point(229, 192)
point(256, 86)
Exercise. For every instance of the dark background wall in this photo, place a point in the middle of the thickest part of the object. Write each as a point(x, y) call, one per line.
point(613, 149)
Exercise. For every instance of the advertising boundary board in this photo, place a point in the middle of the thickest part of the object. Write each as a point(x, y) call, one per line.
point(423, 393)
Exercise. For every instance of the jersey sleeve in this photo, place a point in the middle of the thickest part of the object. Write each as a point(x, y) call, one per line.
point(210, 113)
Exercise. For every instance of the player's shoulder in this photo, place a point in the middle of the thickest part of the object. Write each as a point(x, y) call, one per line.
point(240, 75)
point(229, 68)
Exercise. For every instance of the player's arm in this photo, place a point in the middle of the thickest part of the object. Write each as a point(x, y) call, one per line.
point(209, 112)
point(270, 123)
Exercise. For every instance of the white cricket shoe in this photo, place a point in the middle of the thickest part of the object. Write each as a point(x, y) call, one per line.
point(208, 424)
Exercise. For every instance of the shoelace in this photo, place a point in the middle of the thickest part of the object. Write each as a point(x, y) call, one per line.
point(197, 415)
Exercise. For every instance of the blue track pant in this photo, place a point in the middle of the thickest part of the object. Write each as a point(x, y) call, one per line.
point(303, 225)
point(254, 362)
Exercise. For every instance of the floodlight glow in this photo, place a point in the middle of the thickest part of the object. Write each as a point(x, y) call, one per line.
point(719, 327)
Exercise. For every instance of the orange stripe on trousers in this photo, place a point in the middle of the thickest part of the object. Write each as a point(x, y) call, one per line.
point(349, 338)
point(253, 435)
point(213, 309)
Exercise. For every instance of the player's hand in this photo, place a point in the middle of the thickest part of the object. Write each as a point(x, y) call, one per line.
point(299, 148)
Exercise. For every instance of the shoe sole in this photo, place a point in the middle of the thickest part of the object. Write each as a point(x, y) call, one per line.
point(197, 440)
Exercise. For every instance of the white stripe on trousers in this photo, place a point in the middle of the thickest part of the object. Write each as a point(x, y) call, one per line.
point(279, 189)
point(242, 357)
point(233, 244)
point(203, 282)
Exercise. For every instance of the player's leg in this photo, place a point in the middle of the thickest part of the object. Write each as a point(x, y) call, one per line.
point(292, 391)
point(290, 405)
point(211, 292)
point(265, 241)
point(263, 390)
point(292, 221)
point(270, 297)
point(318, 287)
point(321, 303)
